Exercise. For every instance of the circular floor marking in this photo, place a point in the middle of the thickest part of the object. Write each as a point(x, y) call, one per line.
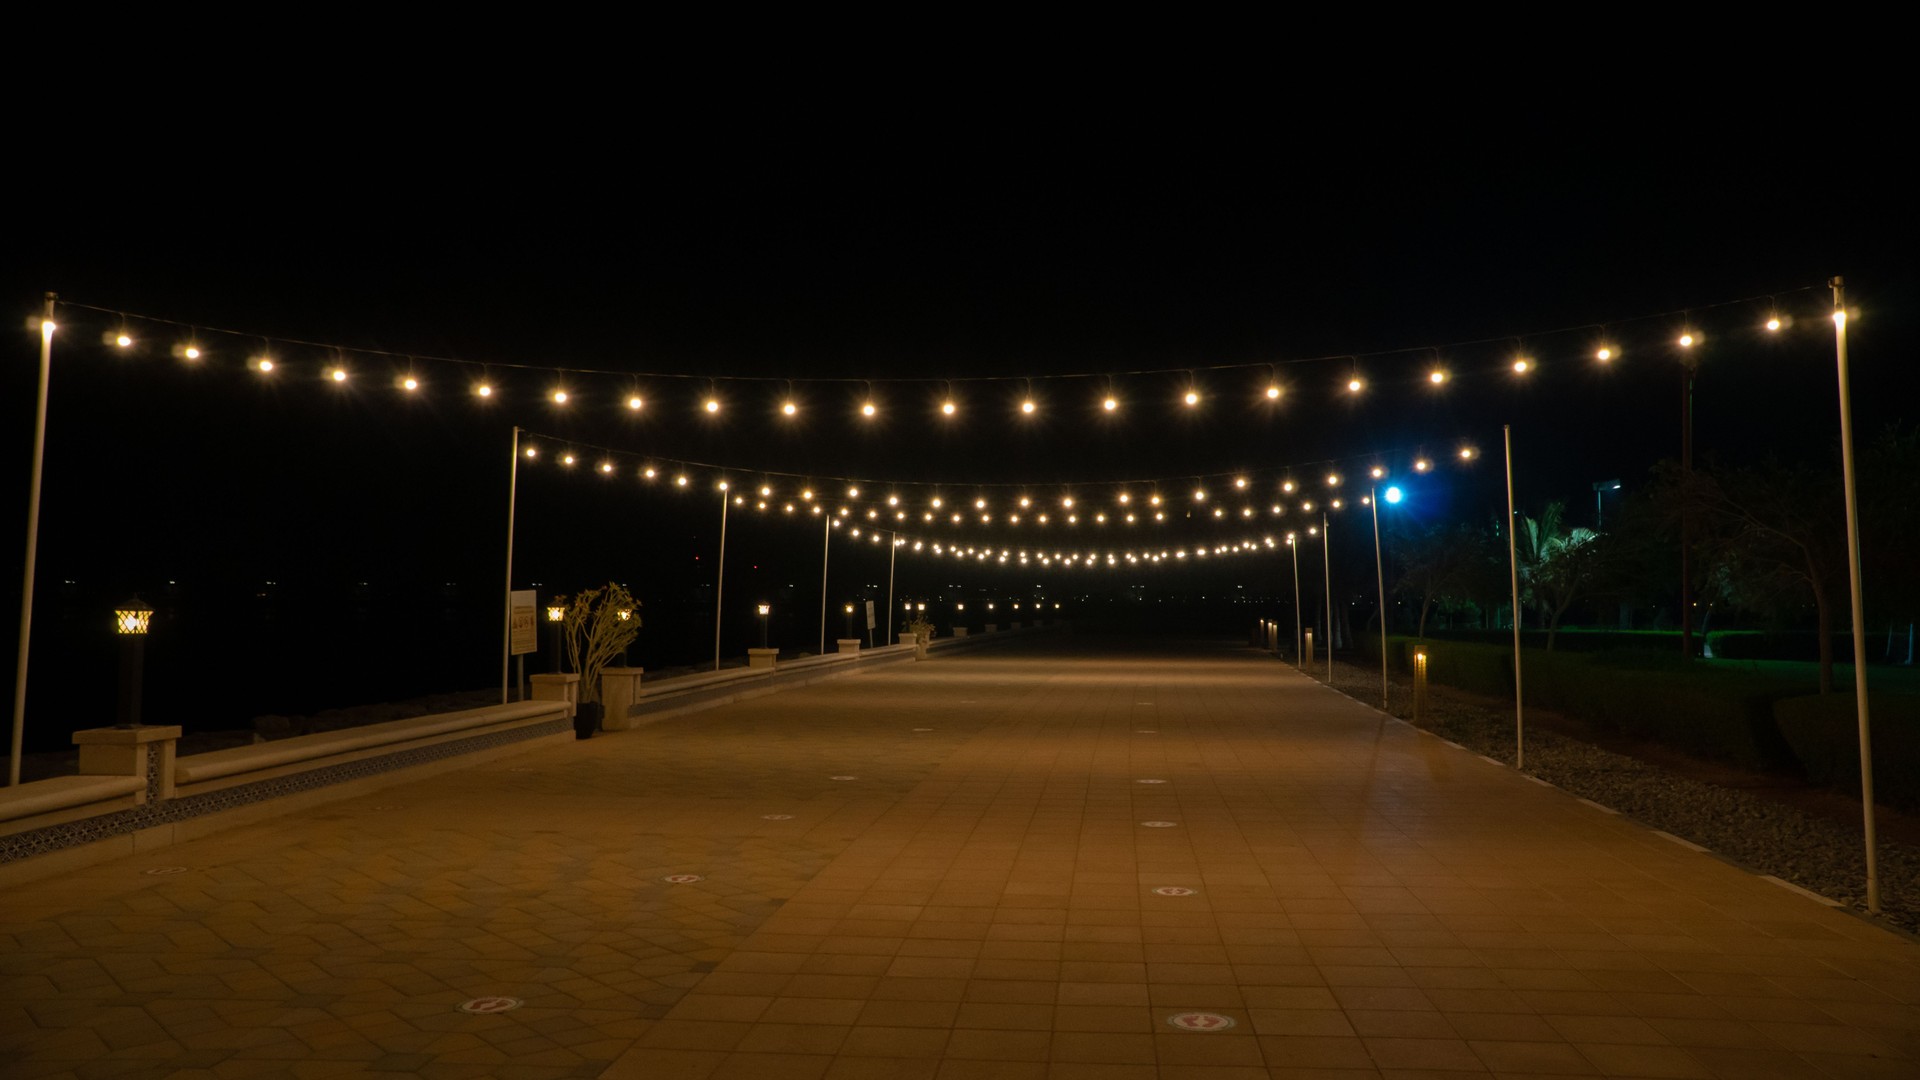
point(1200, 1021)
point(1149, 781)
point(843, 778)
point(776, 817)
point(682, 879)
point(481, 1006)
point(160, 870)
point(1174, 890)
point(1159, 824)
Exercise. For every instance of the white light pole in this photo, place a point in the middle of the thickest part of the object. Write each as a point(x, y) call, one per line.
point(720, 578)
point(1380, 579)
point(893, 552)
point(1326, 549)
point(1294, 545)
point(1513, 575)
point(33, 544)
point(1859, 603)
point(506, 641)
point(826, 535)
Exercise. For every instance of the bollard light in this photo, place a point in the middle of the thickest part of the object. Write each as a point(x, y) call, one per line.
point(131, 620)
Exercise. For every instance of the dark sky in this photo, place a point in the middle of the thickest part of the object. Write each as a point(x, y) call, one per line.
point(790, 242)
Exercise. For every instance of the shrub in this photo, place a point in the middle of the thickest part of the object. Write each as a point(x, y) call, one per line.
point(1823, 730)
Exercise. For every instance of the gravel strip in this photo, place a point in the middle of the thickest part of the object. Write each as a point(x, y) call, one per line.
point(1755, 833)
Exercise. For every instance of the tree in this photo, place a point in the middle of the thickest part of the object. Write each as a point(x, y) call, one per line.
point(1558, 563)
point(1773, 535)
point(596, 633)
point(1444, 564)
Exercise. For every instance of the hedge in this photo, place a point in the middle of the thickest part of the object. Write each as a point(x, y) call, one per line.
point(1824, 731)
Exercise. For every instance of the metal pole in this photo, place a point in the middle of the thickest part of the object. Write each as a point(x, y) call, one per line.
point(1299, 659)
point(506, 643)
point(1859, 603)
point(33, 545)
point(1326, 549)
point(893, 552)
point(826, 535)
point(1380, 578)
point(1513, 575)
point(720, 578)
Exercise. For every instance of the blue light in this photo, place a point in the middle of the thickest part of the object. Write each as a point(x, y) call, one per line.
point(1393, 495)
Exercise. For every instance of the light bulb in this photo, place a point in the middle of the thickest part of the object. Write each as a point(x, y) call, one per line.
point(1027, 406)
point(634, 401)
point(1273, 393)
point(1436, 376)
point(1192, 398)
point(1422, 465)
point(410, 383)
point(1333, 479)
point(1354, 385)
point(1603, 354)
point(265, 364)
point(567, 460)
point(123, 341)
point(606, 467)
point(948, 407)
point(1773, 323)
point(559, 397)
point(1199, 494)
point(483, 390)
point(192, 352)
point(853, 493)
point(1687, 340)
point(1522, 366)
point(1109, 404)
point(533, 451)
point(868, 409)
point(1287, 486)
point(1240, 482)
point(712, 405)
point(337, 375)
point(1376, 472)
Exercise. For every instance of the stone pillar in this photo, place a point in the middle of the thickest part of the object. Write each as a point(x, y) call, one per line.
point(128, 752)
point(1013, 626)
point(619, 689)
point(847, 644)
point(909, 639)
point(761, 659)
point(959, 631)
point(562, 687)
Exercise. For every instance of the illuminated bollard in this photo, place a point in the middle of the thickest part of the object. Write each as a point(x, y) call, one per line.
point(1419, 686)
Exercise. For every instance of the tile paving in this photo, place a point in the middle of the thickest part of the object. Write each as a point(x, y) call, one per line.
point(1365, 901)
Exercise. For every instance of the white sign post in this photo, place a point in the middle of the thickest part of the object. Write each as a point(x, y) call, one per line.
point(523, 632)
point(870, 624)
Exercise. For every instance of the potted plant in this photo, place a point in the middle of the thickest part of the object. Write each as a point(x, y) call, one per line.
point(596, 636)
point(922, 630)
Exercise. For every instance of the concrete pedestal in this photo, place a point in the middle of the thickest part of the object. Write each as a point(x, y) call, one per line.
point(991, 627)
point(619, 689)
point(847, 644)
point(563, 687)
point(760, 659)
point(959, 631)
point(128, 752)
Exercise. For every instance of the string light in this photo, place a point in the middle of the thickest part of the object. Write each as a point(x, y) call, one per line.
point(868, 410)
point(1422, 465)
point(1273, 391)
point(483, 390)
point(1354, 385)
point(1027, 406)
point(1110, 404)
point(1522, 365)
point(1687, 340)
point(635, 401)
point(409, 384)
point(191, 352)
point(788, 408)
point(123, 340)
point(1773, 324)
point(712, 405)
point(1436, 376)
point(337, 374)
point(559, 397)
point(263, 364)
point(1604, 354)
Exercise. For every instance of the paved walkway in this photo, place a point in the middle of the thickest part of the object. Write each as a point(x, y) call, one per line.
point(1035, 861)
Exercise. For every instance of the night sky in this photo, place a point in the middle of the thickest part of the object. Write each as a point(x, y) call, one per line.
point(809, 248)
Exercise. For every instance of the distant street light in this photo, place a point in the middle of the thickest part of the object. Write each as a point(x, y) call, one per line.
point(1600, 489)
point(131, 620)
point(765, 610)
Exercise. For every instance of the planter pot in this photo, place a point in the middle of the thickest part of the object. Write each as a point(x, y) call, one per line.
point(586, 719)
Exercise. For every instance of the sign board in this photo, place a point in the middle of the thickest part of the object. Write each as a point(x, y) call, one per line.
point(869, 614)
point(523, 628)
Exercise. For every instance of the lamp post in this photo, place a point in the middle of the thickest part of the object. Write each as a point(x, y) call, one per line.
point(1513, 573)
point(849, 614)
point(33, 542)
point(1293, 545)
point(1326, 550)
point(1600, 489)
point(765, 610)
point(1380, 582)
point(556, 620)
point(720, 576)
point(826, 547)
point(625, 615)
point(1853, 584)
point(130, 620)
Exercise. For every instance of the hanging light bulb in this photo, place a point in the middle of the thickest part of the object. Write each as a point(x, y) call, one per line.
point(409, 384)
point(559, 397)
point(635, 401)
point(868, 410)
point(337, 374)
point(1522, 365)
point(1192, 398)
point(1604, 353)
point(712, 405)
point(1422, 465)
point(1273, 391)
point(1773, 324)
point(1436, 376)
point(948, 408)
point(1027, 406)
point(483, 390)
point(1688, 340)
point(191, 352)
point(1354, 385)
point(263, 364)
point(123, 340)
